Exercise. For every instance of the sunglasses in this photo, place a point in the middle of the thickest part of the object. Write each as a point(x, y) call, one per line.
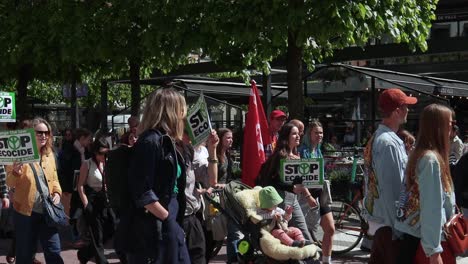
point(42, 133)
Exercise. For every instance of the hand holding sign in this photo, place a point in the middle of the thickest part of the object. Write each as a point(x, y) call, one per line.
point(18, 168)
point(213, 139)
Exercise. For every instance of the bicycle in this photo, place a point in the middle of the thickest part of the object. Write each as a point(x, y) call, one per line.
point(350, 226)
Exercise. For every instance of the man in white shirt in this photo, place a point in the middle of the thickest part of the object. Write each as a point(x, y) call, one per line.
point(456, 146)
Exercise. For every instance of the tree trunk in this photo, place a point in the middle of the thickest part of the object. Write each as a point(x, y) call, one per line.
point(294, 67)
point(135, 84)
point(24, 77)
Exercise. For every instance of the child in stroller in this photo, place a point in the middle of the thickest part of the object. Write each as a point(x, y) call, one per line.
point(241, 203)
point(269, 200)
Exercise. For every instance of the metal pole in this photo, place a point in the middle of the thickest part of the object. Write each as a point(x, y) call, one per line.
point(306, 110)
point(373, 102)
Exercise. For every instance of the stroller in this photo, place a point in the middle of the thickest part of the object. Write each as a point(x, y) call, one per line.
point(239, 203)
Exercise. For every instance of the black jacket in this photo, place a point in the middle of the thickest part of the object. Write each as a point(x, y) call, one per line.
point(69, 161)
point(152, 177)
point(461, 181)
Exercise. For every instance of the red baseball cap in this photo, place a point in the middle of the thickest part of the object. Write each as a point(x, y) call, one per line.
point(277, 113)
point(391, 99)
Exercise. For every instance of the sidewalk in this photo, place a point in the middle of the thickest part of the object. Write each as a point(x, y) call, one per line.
point(69, 255)
point(356, 256)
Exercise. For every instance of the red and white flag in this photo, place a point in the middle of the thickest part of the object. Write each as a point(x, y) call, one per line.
point(255, 136)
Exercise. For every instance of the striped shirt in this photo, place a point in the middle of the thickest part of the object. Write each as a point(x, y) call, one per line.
point(3, 186)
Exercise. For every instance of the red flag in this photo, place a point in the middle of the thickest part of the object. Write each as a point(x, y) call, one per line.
point(255, 136)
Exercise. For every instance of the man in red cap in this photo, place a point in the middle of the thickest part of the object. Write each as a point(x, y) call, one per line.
point(277, 120)
point(385, 159)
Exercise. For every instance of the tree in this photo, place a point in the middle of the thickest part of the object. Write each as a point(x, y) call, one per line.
point(145, 35)
point(254, 32)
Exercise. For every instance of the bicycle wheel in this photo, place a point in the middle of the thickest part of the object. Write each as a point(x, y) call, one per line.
point(348, 228)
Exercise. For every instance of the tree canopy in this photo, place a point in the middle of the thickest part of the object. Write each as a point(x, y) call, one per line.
point(74, 41)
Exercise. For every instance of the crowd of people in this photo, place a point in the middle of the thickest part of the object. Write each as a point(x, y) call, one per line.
point(410, 187)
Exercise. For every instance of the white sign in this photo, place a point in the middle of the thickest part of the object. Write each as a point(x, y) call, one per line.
point(309, 172)
point(18, 145)
point(198, 122)
point(7, 107)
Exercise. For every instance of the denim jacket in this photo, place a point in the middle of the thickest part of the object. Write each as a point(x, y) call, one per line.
point(436, 206)
point(152, 177)
point(389, 160)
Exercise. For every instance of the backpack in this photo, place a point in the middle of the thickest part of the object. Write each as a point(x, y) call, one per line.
point(118, 162)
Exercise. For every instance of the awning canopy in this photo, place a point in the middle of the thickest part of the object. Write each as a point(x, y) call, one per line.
point(418, 83)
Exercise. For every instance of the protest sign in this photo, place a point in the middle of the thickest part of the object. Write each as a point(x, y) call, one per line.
point(198, 122)
point(307, 171)
point(18, 145)
point(7, 107)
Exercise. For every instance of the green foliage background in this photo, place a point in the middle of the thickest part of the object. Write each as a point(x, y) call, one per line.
point(86, 41)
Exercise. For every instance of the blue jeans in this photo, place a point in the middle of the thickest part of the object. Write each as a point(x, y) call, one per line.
point(297, 219)
point(28, 230)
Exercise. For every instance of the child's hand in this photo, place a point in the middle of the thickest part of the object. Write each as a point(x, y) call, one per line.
point(288, 209)
point(277, 217)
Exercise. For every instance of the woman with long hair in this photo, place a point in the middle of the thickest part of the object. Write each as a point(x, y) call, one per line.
point(93, 195)
point(223, 155)
point(286, 146)
point(312, 142)
point(157, 182)
point(29, 218)
point(427, 197)
point(224, 176)
point(317, 197)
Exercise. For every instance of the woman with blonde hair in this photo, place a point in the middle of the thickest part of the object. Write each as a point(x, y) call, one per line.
point(29, 181)
point(157, 182)
point(427, 197)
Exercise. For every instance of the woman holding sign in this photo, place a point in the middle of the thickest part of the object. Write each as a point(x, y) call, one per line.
point(286, 145)
point(29, 220)
point(318, 197)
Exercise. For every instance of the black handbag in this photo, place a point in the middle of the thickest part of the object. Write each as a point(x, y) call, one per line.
point(54, 214)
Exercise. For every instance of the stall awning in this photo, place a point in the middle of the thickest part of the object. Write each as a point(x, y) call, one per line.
point(418, 83)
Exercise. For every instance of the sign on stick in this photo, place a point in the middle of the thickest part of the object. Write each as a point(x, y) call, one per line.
point(198, 122)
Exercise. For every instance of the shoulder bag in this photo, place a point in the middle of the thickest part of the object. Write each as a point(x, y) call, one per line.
point(456, 233)
point(54, 214)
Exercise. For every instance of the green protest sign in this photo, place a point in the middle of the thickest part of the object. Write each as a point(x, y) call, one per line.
point(7, 107)
point(198, 122)
point(307, 171)
point(18, 145)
